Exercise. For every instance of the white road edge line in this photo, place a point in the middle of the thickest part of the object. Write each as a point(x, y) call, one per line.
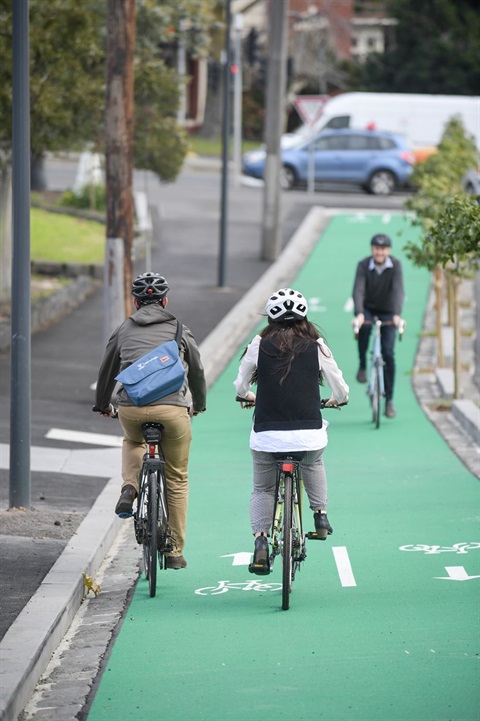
point(344, 567)
point(94, 439)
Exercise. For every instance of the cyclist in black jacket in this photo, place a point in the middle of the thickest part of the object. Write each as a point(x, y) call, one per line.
point(378, 291)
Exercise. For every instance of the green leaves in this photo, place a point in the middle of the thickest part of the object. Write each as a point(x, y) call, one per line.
point(450, 218)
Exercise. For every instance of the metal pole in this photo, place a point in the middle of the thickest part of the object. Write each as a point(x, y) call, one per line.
point(273, 127)
point(182, 72)
point(20, 369)
point(225, 143)
point(237, 100)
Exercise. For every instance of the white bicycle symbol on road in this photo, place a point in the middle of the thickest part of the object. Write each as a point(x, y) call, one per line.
point(456, 548)
point(224, 586)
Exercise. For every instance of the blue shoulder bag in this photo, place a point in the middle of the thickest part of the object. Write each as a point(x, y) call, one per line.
point(156, 374)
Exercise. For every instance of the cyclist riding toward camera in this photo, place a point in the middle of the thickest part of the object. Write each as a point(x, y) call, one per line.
point(287, 361)
point(149, 326)
point(378, 292)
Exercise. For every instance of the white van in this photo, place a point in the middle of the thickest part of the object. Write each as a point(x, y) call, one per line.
point(420, 118)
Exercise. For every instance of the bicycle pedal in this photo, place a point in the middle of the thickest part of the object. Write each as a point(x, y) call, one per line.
point(313, 536)
point(125, 515)
point(259, 569)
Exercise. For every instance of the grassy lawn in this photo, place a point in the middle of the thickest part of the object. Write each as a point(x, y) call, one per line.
point(65, 239)
point(213, 148)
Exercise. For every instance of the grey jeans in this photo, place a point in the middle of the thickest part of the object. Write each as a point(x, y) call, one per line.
point(262, 499)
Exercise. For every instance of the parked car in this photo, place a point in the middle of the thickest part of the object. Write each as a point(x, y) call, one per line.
point(377, 161)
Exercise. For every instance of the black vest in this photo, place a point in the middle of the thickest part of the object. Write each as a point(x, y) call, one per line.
point(293, 405)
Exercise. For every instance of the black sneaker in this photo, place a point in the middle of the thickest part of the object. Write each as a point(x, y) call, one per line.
point(362, 375)
point(390, 411)
point(124, 507)
point(261, 561)
point(322, 526)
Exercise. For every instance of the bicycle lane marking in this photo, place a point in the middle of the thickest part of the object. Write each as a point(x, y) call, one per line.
point(384, 489)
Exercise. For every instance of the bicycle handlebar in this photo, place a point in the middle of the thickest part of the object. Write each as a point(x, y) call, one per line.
point(113, 413)
point(402, 324)
point(323, 403)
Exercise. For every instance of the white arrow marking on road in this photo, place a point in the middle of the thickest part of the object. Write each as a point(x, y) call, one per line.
point(344, 566)
point(456, 573)
point(239, 559)
point(94, 439)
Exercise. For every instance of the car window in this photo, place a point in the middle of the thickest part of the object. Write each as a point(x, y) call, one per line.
point(339, 122)
point(386, 143)
point(358, 142)
point(333, 142)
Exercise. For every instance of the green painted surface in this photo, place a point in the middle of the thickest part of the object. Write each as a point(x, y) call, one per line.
point(401, 644)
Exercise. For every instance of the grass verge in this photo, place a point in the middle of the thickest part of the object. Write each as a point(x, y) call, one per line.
point(64, 239)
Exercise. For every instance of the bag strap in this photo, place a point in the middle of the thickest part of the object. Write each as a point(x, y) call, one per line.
point(178, 334)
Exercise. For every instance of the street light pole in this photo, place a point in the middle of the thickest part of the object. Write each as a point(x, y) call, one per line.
point(20, 368)
point(225, 144)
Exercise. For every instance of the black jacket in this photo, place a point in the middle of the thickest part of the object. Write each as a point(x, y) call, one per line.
point(380, 293)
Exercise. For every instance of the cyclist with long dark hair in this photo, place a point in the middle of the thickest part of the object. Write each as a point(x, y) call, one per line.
point(288, 361)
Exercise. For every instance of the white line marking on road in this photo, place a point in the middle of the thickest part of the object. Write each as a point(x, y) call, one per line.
point(344, 566)
point(349, 306)
point(93, 439)
point(456, 573)
point(239, 559)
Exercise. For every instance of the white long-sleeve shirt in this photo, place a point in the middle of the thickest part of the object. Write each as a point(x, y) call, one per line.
point(298, 440)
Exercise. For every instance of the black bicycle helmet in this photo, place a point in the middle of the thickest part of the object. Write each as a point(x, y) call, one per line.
point(286, 304)
point(149, 288)
point(381, 240)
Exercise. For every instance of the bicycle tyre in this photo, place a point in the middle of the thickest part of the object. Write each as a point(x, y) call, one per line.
point(162, 524)
point(376, 399)
point(287, 544)
point(152, 532)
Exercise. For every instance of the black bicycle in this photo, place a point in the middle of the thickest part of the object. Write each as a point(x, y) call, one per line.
point(151, 516)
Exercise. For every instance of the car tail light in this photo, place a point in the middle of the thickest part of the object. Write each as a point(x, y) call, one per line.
point(408, 157)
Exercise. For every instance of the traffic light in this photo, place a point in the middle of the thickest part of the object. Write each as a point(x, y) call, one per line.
point(252, 47)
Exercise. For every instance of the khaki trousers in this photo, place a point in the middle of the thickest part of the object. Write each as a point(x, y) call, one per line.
point(176, 439)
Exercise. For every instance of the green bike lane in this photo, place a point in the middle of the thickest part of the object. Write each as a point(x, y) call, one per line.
point(375, 630)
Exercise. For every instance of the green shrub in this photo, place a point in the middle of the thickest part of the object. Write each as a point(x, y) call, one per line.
point(90, 196)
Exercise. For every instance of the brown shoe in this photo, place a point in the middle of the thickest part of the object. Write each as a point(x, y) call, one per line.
point(123, 509)
point(175, 562)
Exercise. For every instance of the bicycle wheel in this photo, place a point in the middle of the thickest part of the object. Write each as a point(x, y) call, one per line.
point(151, 540)
point(140, 519)
point(287, 545)
point(163, 537)
point(376, 398)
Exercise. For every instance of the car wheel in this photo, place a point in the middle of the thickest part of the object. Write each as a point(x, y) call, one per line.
point(382, 182)
point(287, 177)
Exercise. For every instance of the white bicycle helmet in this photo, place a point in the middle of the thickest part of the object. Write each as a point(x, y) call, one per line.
point(286, 304)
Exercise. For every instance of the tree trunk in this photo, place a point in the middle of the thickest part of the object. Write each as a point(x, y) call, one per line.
point(119, 132)
point(457, 364)
point(438, 284)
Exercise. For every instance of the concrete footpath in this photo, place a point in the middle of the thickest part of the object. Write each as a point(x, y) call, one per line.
point(31, 638)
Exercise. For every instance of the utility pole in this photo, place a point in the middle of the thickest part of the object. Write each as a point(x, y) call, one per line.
point(119, 160)
point(276, 80)
point(20, 365)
